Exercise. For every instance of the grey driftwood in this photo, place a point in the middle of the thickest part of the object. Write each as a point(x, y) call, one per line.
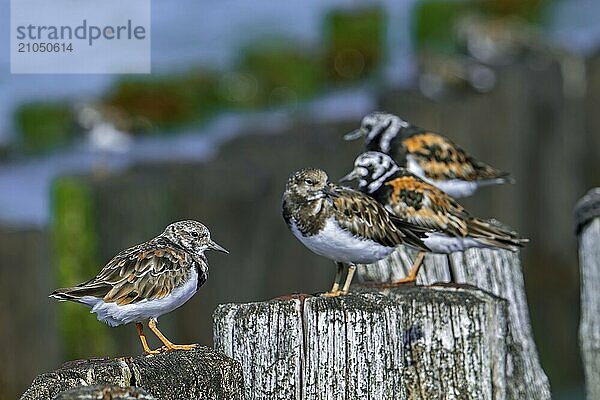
point(587, 221)
point(105, 392)
point(496, 271)
point(410, 342)
point(198, 374)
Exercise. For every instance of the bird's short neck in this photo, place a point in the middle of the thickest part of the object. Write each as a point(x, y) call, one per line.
point(309, 215)
point(382, 136)
point(375, 183)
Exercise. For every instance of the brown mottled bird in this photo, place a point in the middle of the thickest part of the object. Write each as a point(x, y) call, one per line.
point(412, 199)
point(430, 156)
point(343, 224)
point(146, 281)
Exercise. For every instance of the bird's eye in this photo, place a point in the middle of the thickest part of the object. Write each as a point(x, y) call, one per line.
point(309, 182)
point(195, 234)
point(369, 126)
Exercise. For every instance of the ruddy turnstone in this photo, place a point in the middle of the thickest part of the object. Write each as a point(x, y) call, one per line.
point(148, 280)
point(431, 156)
point(343, 224)
point(418, 202)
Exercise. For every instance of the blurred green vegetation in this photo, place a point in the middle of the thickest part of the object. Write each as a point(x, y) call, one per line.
point(44, 126)
point(434, 22)
point(354, 43)
point(269, 72)
point(281, 71)
point(167, 101)
point(76, 260)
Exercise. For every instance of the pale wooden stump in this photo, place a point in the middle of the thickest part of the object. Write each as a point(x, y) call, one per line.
point(199, 374)
point(496, 271)
point(401, 343)
point(587, 218)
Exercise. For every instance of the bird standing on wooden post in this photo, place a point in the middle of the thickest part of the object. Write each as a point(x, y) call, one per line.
point(343, 224)
point(431, 156)
point(146, 281)
point(412, 199)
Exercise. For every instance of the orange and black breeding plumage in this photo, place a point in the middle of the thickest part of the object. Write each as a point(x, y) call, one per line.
point(412, 199)
point(431, 156)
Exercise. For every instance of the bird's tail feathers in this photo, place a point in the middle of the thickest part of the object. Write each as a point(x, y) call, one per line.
point(495, 235)
point(77, 292)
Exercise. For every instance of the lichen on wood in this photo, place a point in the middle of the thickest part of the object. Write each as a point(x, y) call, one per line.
point(496, 271)
point(197, 374)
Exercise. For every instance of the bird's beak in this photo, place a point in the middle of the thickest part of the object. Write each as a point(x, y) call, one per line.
point(350, 177)
point(329, 191)
point(355, 134)
point(214, 246)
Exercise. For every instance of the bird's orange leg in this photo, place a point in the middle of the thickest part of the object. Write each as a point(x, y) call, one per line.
point(170, 346)
point(335, 289)
point(412, 275)
point(345, 289)
point(140, 331)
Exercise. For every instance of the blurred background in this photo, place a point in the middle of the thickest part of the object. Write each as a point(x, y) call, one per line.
point(241, 94)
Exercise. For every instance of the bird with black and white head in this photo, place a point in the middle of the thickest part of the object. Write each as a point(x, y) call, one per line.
point(412, 199)
point(429, 155)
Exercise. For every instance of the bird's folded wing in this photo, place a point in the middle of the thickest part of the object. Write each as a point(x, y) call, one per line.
point(424, 205)
point(147, 271)
point(442, 159)
point(364, 217)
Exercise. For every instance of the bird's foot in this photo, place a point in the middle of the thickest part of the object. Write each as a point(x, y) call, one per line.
point(408, 279)
point(173, 347)
point(150, 352)
point(335, 293)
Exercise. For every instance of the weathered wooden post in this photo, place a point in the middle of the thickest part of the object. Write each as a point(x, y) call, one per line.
point(201, 374)
point(496, 271)
point(587, 220)
point(418, 343)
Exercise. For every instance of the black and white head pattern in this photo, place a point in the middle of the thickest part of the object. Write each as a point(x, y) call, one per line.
point(382, 127)
point(372, 169)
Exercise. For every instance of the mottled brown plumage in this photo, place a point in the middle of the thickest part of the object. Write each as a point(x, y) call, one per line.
point(355, 212)
point(146, 281)
point(342, 224)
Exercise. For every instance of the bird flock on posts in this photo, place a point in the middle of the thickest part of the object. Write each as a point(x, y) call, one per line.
point(407, 181)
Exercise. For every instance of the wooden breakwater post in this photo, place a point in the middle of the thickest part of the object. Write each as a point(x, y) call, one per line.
point(587, 220)
point(418, 343)
point(200, 374)
point(495, 271)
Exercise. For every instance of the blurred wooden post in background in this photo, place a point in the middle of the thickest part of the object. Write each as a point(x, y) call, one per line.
point(587, 220)
point(496, 271)
point(400, 343)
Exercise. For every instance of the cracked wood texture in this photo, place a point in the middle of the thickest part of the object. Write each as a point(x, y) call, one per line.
point(587, 219)
point(495, 271)
point(416, 343)
point(201, 374)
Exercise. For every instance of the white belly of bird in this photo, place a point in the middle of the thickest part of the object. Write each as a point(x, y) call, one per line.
point(114, 314)
point(439, 243)
point(339, 245)
point(456, 188)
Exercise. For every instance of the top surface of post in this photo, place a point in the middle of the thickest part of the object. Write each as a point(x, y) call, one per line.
point(587, 208)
